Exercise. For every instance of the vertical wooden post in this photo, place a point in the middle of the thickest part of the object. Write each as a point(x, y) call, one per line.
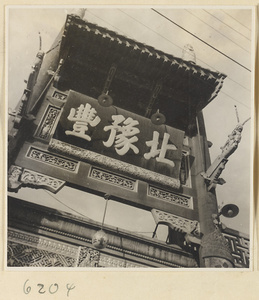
point(214, 250)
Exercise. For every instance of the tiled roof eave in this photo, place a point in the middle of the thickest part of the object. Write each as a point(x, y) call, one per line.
point(143, 50)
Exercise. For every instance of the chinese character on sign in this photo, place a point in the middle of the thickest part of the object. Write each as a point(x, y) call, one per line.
point(122, 135)
point(82, 116)
point(154, 151)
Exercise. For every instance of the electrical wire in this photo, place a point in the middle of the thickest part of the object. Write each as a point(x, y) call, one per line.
point(235, 100)
point(85, 216)
point(227, 25)
point(176, 46)
point(105, 21)
point(222, 53)
point(217, 31)
point(54, 47)
point(142, 231)
point(197, 59)
point(235, 19)
point(105, 209)
point(211, 67)
point(239, 84)
point(151, 29)
point(65, 204)
point(40, 42)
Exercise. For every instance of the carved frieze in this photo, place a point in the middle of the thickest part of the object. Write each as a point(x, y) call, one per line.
point(54, 160)
point(42, 243)
point(27, 249)
point(106, 261)
point(116, 180)
point(113, 164)
point(21, 255)
point(176, 199)
point(176, 222)
point(26, 246)
point(30, 250)
point(21, 237)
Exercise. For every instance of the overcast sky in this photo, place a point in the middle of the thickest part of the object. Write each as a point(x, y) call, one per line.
point(221, 39)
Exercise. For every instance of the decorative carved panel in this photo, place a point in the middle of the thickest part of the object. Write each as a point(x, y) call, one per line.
point(108, 177)
point(176, 199)
point(54, 160)
point(47, 123)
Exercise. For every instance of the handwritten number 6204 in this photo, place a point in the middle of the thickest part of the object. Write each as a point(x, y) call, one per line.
point(53, 288)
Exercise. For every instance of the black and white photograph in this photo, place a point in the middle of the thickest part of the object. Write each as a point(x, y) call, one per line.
point(130, 137)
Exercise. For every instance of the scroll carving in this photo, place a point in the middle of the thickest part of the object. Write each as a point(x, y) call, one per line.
point(113, 179)
point(180, 200)
point(54, 160)
point(23, 177)
point(176, 222)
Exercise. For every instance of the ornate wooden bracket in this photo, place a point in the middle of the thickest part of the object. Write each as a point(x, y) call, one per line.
point(176, 222)
point(19, 177)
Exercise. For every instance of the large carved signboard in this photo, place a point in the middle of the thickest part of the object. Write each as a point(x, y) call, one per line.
point(105, 150)
point(120, 135)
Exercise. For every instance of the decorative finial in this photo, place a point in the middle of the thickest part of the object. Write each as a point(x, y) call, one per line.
point(80, 12)
point(211, 176)
point(189, 54)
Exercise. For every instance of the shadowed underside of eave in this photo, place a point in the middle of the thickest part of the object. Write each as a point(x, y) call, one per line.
point(89, 52)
